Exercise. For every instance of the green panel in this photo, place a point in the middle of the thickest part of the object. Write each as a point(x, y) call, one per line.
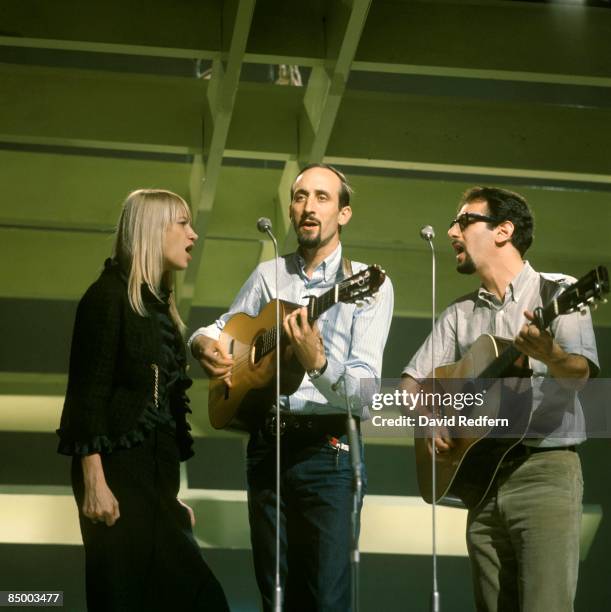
point(179, 24)
point(61, 106)
point(225, 266)
point(265, 120)
point(499, 36)
point(90, 190)
point(244, 195)
point(50, 265)
point(567, 41)
point(410, 272)
point(469, 132)
point(391, 211)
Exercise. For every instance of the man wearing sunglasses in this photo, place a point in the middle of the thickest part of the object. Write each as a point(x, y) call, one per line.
point(523, 538)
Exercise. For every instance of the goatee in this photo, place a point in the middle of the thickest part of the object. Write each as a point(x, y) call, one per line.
point(467, 266)
point(308, 242)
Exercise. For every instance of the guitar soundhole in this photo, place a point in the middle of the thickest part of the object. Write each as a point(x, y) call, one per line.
point(231, 344)
point(256, 350)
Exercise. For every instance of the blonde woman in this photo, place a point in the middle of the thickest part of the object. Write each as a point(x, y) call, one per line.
point(124, 420)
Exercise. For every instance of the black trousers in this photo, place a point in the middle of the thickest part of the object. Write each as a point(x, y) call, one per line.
point(148, 560)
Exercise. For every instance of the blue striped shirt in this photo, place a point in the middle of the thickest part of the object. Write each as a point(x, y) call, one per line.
point(353, 336)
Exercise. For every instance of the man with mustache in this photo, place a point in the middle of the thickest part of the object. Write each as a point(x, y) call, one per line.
point(342, 347)
point(523, 538)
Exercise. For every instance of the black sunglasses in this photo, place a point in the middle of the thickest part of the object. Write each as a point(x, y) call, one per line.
point(467, 218)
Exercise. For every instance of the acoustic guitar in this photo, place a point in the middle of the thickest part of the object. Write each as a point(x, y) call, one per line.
point(467, 470)
point(252, 343)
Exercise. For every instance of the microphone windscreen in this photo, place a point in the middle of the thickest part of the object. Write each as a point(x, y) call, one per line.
point(264, 225)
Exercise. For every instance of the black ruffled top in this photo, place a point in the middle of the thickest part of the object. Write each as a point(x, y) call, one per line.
point(168, 371)
point(127, 372)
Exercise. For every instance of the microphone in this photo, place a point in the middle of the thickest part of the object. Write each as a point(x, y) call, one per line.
point(264, 225)
point(427, 233)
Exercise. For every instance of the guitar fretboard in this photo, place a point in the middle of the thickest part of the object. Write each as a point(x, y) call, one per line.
point(509, 356)
point(266, 342)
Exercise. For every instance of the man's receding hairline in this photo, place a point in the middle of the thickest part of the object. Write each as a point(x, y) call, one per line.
point(316, 168)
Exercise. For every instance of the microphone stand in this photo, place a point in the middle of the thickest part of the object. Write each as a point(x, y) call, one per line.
point(357, 493)
point(265, 225)
point(428, 233)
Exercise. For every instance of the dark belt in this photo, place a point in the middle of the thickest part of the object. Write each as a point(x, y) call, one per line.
point(307, 425)
point(520, 451)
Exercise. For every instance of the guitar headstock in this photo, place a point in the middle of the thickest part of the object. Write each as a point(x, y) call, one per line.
point(587, 291)
point(362, 286)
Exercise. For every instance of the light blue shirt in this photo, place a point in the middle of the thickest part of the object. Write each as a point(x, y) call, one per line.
point(354, 337)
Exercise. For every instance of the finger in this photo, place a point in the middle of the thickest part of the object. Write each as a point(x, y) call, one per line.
point(447, 441)
point(295, 330)
point(111, 517)
point(287, 328)
point(304, 324)
point(227, 380)
point(218, 357)
point(218, 372)
point(441, 444)
point(529, 315)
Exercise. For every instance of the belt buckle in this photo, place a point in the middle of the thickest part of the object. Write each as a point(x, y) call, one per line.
point(272, 425)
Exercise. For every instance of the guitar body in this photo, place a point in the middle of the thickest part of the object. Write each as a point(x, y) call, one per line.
point(252, 343)
point(468, 469)
point(244, 405)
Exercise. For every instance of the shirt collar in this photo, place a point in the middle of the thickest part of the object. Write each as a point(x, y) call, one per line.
point(515, 288)
point(328, 267)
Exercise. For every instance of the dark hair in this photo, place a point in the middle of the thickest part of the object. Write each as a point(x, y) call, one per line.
point(504, 205)
point(345, 190)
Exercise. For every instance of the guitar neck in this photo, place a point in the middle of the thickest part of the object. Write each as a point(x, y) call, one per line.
point(501, 364)
point(322, 303)
point(266, 342)
point(543, 319)
point(360, 287)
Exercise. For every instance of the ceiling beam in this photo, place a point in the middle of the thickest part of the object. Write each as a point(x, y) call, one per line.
point(220, 100)
point(432, 133)
point(558, 43)
point(327, 83)
point(440, 134)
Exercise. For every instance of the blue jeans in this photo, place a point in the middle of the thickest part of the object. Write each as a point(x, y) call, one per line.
point(315, 528)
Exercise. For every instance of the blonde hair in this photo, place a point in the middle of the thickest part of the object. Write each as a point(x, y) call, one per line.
point(138, 247)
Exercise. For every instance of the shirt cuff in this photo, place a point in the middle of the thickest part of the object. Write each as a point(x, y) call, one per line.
point(211, 331)
point(411, 372)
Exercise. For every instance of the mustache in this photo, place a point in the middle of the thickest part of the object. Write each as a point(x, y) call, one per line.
point(309, 219)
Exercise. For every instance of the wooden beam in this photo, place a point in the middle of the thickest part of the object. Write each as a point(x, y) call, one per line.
point(221, 96)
